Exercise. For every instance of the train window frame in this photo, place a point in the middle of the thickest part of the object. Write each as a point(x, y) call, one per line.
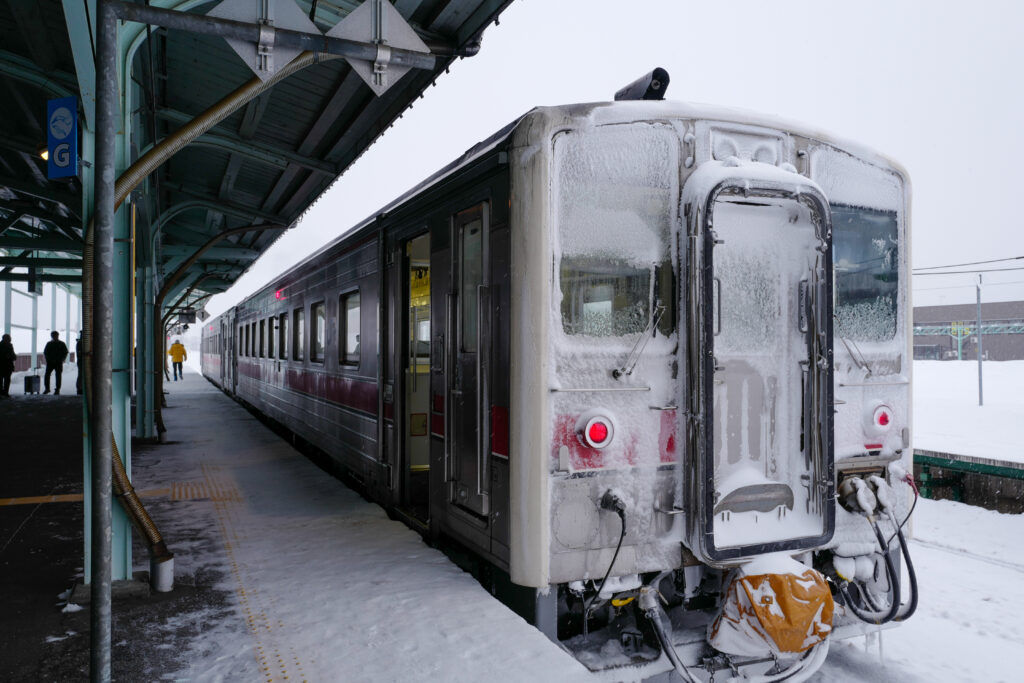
point(248, 341)
point(241, 342)
point(349, 357)
point(468, 316)
point(270, 337)
point(282, 331)
point(263, 336)
point(318, 332)
point(298, 328)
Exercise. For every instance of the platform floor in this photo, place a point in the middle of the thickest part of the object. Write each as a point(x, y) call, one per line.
point(283, 573)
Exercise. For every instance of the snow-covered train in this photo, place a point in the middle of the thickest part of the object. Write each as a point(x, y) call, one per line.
point(648, 362)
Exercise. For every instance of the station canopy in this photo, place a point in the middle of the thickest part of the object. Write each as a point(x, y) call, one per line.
point(264, 164)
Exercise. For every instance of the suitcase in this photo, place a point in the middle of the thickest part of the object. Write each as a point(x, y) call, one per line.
point(31, 384)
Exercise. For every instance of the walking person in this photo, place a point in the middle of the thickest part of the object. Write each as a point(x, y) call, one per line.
point(54, 353)
point(7, 358)
point(178, 355)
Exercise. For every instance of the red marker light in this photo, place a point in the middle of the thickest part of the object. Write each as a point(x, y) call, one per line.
point(596, 432)
point(278, 294)
point(883, 419)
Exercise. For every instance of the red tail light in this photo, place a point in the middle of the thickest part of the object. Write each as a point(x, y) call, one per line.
point(597, 432)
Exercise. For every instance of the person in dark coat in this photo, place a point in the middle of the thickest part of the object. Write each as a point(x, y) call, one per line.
point(55, 353)
point(7, 358)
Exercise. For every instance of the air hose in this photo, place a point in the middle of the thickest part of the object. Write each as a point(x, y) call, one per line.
point(160, 557)
point(897, 612)
point(609, 501)
point(894, 586)
point(653, 612)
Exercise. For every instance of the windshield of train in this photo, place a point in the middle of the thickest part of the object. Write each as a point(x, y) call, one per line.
point(866, 268)
point(615, 193)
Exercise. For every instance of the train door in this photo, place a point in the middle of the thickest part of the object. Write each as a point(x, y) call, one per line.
point(223, 351)
point(769, 458)
point(467, 383)
point(415, 447)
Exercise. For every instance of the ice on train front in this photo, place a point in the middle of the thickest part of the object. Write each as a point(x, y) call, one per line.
point(673, 476)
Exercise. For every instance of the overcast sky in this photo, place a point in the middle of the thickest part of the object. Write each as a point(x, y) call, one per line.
point(935, 85)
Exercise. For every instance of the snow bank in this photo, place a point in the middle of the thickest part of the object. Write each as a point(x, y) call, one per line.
point(947, 417)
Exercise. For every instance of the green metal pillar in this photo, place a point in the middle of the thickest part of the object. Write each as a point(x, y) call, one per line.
point(78, 15)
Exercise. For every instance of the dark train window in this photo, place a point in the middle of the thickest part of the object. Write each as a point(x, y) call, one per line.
point(241, 342)
point(270, 337)
point(348, 328)
point(248, 341)
point(318, 333)
point(282, 338)
point(472, 246)
point(298, 320)
point(263, 335)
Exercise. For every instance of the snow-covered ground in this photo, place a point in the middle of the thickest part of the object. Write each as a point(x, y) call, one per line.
point(947, 417)
point(327, 588)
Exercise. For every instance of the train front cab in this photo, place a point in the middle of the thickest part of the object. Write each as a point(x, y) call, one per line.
point(673, 425)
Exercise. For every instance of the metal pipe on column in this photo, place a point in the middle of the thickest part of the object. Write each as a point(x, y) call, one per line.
point(35, 331)
point(101, 352)
point(7, 307)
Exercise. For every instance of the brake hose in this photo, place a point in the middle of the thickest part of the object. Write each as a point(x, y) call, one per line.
point(609, 501)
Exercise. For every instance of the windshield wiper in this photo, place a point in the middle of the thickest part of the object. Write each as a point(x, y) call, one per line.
point(641, 343)
point(861, 361)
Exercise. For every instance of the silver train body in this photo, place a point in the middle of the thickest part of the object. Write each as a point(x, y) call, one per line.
point(647, 331)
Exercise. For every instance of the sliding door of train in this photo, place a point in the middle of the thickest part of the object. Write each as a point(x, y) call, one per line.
point(468, 328)
point(415, 347)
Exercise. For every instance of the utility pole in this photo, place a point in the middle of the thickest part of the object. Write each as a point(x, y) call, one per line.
point(980, 401)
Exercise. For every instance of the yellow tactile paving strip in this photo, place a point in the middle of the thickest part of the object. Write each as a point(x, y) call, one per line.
point(187, 490)
point(276, 663)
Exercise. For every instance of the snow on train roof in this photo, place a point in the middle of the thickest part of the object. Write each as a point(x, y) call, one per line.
point(603, 113)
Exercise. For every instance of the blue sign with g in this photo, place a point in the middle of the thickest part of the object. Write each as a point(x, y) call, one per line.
point(62, 137)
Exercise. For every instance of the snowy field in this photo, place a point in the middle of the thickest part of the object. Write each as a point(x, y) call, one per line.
point(947, 417)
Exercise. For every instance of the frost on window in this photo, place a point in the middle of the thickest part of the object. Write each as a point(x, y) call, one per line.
point(615, 198)
point(603, 298)
point(866, 267)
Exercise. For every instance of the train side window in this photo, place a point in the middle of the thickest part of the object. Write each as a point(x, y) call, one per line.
point(248, 340)
point(241, 342)
point(298, 325)
point(348, 328)
point(318, 321)
point(282, 338)
point(471, 262)
point(270, 337)
point(263, 335)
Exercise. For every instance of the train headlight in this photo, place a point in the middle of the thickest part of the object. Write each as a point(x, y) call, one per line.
point(596, 431)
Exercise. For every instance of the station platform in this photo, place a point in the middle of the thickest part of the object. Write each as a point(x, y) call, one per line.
point(281, 571)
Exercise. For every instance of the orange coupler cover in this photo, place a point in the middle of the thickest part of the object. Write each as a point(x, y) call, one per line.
point(773, 603)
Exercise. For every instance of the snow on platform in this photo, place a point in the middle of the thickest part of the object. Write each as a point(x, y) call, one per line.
point(327, 587)
point(948, 419)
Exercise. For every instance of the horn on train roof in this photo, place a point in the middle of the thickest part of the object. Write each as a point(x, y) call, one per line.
point(650, 86)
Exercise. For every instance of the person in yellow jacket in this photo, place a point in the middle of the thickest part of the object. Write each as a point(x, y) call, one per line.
point(178, 355)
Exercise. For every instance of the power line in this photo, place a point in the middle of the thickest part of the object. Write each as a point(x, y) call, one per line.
point(969, 272)
point(972, 263)
point(987, 286)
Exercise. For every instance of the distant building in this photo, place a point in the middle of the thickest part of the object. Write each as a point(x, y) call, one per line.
point(940, 330)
